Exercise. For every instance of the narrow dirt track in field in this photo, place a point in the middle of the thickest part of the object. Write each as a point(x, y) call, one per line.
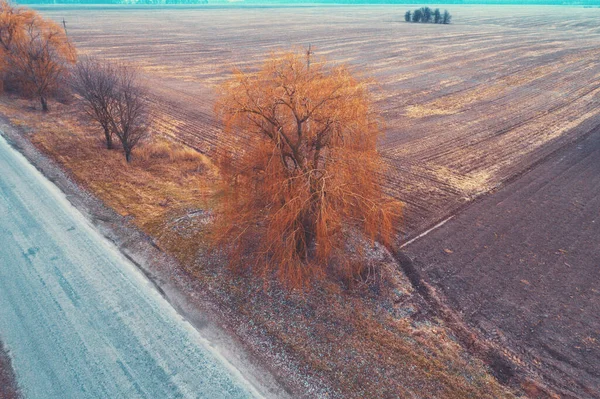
point(466, 105)
point(521, 265)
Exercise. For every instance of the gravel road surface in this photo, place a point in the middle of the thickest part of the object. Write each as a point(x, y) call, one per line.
point(79, 319)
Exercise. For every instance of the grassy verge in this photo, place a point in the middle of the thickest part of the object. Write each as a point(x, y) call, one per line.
point(373, 341)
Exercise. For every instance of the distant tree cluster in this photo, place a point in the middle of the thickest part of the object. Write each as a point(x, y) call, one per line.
point(427, 15)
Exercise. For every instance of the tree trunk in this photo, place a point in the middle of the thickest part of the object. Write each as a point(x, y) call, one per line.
point(127, 155)
point(44, 104)
point(109, 143)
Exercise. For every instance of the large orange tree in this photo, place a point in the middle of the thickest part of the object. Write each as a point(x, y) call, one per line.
point(304, 191)
point(34, 52)
point(12, 22)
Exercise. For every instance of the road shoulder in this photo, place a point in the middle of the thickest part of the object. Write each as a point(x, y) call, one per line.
point(161, 270)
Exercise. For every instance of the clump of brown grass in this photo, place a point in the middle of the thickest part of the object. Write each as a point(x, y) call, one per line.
point(161, 150)
point(163, 181)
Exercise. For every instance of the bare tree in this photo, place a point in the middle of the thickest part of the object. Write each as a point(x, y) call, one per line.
point(115, 99)
point(96, 82)
point(129, 116)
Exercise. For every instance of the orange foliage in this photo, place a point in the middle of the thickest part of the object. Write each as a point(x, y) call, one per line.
point(12, 21)
point(304, 177)
point(34, 51)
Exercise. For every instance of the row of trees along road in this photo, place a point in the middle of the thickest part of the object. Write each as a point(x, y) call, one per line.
point(38, 60)
point(302, 181)
point(427, 15)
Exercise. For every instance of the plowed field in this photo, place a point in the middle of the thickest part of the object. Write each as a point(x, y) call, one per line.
point(467, 105)
point(521, 266)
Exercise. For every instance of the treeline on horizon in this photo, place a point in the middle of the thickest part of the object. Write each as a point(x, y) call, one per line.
point(428, 16)
point(298, 2)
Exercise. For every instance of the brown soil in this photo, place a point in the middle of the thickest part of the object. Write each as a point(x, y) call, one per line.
point(521, 265)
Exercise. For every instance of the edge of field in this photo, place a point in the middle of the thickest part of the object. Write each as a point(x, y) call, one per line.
point(140, 249)
point(245, 345)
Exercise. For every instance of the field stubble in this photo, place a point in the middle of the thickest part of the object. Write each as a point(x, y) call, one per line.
point(466, 105)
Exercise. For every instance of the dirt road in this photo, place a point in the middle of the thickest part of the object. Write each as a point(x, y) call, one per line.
point(79, 319)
